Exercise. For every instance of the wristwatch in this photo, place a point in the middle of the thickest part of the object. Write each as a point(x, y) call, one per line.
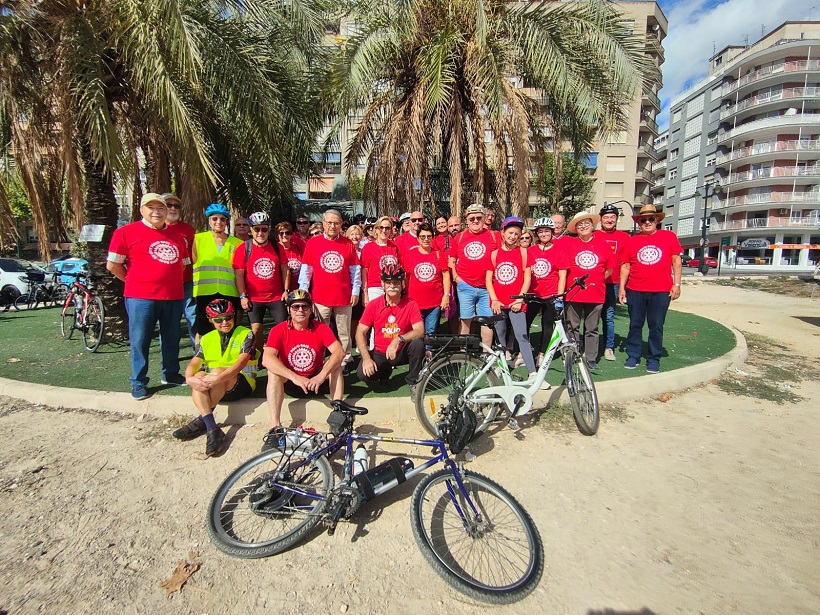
point(401, 339)
point(677, 283)
point(243, 296)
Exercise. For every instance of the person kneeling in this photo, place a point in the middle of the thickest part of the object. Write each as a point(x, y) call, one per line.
point(223, 368)
point(294, 357)
point(399, 332)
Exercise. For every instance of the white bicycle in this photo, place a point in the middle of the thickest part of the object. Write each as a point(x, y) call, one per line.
point(467, 373)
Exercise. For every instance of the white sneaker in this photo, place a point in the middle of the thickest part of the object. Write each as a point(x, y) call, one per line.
point(519, 361)
point(609, 354)
point(539, 359)
point(545, 386)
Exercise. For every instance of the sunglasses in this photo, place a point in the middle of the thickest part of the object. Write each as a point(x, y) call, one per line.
point(300, 307)
point(261, 229)
point(220, 219)
point(285, 233)
point(526, 238)
point(650, 219)
point(416, 219)
point(174, 205)
point(425, 237)
point(315, 233)
point(384, 228)
point(221, 319)
point(475, 218)
point(303, 222)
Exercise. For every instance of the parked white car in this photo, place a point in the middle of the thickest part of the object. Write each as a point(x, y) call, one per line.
point(13, 279)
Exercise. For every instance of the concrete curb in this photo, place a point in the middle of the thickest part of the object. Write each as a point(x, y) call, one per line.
point(382, 408)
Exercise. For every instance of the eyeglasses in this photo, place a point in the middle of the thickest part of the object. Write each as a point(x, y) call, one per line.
point(526, 238)
point(285, 233)
point(303, 222)
point(416, 219)
point(261, 229)
point(584, 223)
point(384, 228)
point(330, 223)
point(475, 219)
point(650, 219)
point(300, 307)
point(219, 219)
point(315, 233)
point(221, 319)
point(425, 237)
point(174, 205)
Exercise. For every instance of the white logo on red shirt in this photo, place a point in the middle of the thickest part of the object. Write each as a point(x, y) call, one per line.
point(649, 255)
point(475, 250)
point(506, 273)
point(425, 272)
point(264, 268)
point(331, 262)
point(301, 357)
point(294, 265)
point(541, 268)
point(391, 329)
point(387, 259)
point(586, 259)
point(164, 252)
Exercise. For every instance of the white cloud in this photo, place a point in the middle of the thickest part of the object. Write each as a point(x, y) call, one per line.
point(698, 28)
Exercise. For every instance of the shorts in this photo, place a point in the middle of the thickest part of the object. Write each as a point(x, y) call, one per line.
point(276, 310)
point(472, 301)
point(241, 389)
point(202, 325)
point(294, 390)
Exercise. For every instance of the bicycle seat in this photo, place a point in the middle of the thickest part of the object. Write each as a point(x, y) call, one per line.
point(489, 321)
point(343, 406)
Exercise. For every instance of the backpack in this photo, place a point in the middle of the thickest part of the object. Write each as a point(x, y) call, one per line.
point(249, 247)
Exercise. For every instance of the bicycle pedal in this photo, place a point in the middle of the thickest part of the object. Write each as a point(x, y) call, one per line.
point(512, 424)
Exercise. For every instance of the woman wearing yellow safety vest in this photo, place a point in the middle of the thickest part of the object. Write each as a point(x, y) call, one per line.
point(212, 256)
point(223, 368)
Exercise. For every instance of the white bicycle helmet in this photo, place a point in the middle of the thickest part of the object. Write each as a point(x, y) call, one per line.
point(258, 218)
point(544, 223)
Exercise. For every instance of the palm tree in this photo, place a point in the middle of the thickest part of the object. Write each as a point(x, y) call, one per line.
point(214, 93)
point(432, 84)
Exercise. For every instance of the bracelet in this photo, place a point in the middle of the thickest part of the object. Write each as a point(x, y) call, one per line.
point(677, 284)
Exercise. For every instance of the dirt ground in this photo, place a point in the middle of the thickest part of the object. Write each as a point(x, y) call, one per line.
point(706, 503)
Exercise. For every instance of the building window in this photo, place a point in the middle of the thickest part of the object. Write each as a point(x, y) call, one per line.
point(673, 173)
point(675, 134)
point(617, 138)
point(712, 138)
point(673, 154)
point(671, 191)
point(616, 163)
point(676, 115)
point(693, 126)
point(614, 190)
point(711, 160)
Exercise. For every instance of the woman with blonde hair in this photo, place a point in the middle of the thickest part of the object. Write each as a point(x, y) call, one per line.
point(376, 255)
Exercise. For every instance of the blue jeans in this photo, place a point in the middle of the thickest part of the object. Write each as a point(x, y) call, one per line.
point(472, 301)
point(189, 309)
point(143, 315)
point(609, 314)
point(431, 317)
point(649, 308)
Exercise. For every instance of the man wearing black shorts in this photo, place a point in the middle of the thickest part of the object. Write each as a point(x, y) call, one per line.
point(223, 368)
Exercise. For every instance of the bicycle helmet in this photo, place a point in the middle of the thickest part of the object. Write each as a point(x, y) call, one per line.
point(218, 209)
point(258, 218)
point(219, 307)
point(609, 209)
point(544, 222)
point(371, 221)
point(359, 218)
point(392, 272)
point(512, 221)
point(298, 296)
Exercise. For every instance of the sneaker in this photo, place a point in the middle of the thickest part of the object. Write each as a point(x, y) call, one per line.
point(192, 430)
point(214, 444)
point(545, 386)
point(539, 359)
point(653, 367)
point(138, 391)
point(177, 380)
point(609, 354)
point(519, 361)
point(413, 391)
point(593, 365)
point(345, 369)
point(631, 363)
point(275, 438)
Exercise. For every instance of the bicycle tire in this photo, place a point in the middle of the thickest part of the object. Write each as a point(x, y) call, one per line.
point(59, 294)
point(233, 500)
point(94, 327)
point(439, 380)
point(499, 558)
point(67, 319)
point(581, 391)
point(24, 301)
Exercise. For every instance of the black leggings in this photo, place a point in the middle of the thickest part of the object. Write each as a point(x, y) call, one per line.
point(547, 322)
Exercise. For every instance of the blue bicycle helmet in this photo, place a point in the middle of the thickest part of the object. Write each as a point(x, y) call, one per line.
point(217, 208)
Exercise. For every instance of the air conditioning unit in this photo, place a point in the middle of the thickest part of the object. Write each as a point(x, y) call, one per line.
point(783, 211)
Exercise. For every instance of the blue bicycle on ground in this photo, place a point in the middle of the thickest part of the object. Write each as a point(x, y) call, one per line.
point(473, 533)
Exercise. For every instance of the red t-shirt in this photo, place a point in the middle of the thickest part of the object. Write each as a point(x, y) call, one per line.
point(650, 261)
point(263, 274)
point(301, 351)
point(592, 257)
point(425, 283)
point(293, 257)
point(154, 260)
point(374, 258)
point(297, 240)
point(508, 274)
point(331, 261)
point(406, 242)
point(616, 240)
point(545, 265)
point(440, 242)
point(472, 253)
point(188, 233)
point(390, 321)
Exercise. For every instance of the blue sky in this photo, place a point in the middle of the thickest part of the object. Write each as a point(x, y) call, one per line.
point(699, 27)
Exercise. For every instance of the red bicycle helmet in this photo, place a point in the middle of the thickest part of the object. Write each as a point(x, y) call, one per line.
point(219, 307)
point(392, 272)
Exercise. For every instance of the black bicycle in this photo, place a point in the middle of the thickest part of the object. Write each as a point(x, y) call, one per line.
point(83, 311)
point(473, 533)
point(42, 292)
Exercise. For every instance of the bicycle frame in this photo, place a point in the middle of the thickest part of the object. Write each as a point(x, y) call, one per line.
point(78, 287)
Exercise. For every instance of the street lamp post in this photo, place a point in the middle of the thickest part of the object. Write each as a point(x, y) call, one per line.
point(709, 188)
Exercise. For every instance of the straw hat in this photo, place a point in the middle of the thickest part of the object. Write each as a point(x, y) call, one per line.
point(649, 210)
point(582, 215)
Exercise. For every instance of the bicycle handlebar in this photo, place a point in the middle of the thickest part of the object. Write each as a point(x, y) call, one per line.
point(532, 297)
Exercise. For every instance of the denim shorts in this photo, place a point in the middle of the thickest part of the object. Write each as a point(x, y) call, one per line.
point(472, 301)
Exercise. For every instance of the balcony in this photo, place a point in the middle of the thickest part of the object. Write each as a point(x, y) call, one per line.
point(772, 197)
point(657, 187)
point(793, 145)
point(768, 71)
point(770, 222)
point(650, 124)
point(646, 149)
point(787, 171)
point(653, 46)
point(781, 121)
point(762, 99)
point(643, 199)
point(659, 166)
point(644, 175)
point(651, 98)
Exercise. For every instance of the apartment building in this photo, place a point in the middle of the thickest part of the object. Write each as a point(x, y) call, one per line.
point(751, 132)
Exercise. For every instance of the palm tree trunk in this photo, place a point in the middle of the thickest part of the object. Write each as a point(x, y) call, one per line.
point(101, 208)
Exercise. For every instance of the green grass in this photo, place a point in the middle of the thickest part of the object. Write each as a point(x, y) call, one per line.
point(33, 351)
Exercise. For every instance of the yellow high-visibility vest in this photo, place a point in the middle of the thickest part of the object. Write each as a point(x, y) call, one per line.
point(214, 357)
point(213, 270)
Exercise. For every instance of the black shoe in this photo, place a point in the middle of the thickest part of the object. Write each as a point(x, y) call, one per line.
point(177, 380)
point(192, 430)
point(275, 438)
point(214, 444)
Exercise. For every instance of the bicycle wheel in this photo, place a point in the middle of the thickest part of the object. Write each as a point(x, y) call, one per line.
point(24, 301)
point(494, 555)
point(68, 318)
point(439, 380)
point(251, 516)
point(59, 294)
point(581, 390)
point(94, 327)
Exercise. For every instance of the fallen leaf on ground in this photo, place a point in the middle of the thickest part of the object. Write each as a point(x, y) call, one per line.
point(665, 397)
point(14, 360)
point(182, 573)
